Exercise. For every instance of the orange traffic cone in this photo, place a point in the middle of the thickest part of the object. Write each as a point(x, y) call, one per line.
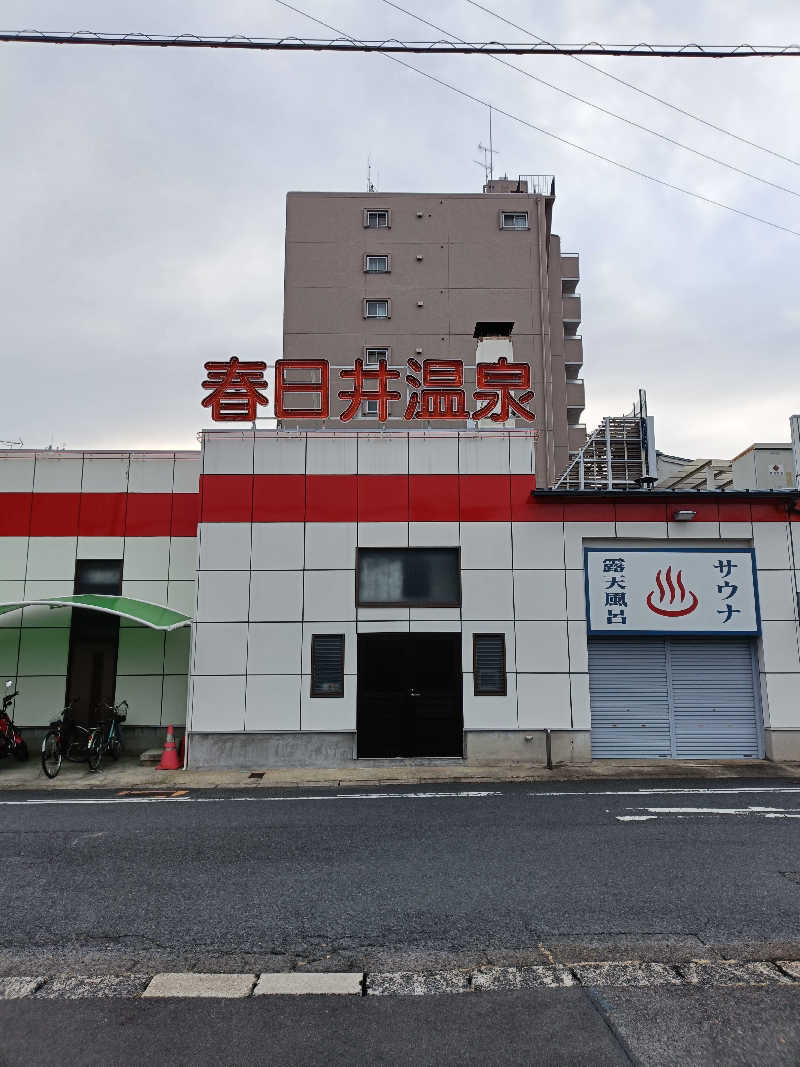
point(169, 757)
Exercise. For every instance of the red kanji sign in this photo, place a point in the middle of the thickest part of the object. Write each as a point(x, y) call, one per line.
point(320, 388)
point(234, 386)
point(495, 382)
point(358, 394)
point(435, 390)
point(440, 393)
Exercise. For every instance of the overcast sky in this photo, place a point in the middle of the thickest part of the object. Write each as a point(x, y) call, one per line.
point(143, 196)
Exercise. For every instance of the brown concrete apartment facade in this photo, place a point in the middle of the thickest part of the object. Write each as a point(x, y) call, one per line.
point(426, 276)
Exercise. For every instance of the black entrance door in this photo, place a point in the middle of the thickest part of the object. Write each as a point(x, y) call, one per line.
point(92, 674)
point(409, 695)
point(93, 642)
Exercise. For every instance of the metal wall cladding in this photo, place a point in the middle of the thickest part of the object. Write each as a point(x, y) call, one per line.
point(674, 698)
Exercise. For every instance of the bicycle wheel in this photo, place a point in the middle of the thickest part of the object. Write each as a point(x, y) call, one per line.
point(21, 752)
point(94, 753)
point(51, 754)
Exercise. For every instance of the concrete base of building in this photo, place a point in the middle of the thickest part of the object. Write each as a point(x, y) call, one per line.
point(137, 739)
point(782, 746)
point(329, 750)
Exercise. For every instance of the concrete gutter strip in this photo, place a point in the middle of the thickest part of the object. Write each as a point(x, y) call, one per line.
point(624, 974)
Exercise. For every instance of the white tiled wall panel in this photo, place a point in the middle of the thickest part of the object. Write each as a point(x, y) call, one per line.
point(540, 595)
point(490, 713)
point(274, 648)
point(276, 546)
point(383, 453)
point(771, 542)
point(328, 714)
point(227, 454)
point(543, 700)
point(146, 558)
point(276, 596)
point(538, 545)
point(273, 702)
point(485, 545)
point(224, 546)
point(330, 545)
point(218, 704)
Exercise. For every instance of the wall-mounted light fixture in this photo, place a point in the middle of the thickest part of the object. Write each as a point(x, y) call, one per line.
point(683, 515)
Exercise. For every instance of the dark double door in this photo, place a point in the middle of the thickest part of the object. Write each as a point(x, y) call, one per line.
point(409, 695)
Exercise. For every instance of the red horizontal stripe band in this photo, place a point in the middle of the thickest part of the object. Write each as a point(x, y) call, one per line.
point(340, 498)
point(99, 514)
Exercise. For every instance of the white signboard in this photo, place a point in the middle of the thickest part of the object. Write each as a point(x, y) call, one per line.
point(708, 591)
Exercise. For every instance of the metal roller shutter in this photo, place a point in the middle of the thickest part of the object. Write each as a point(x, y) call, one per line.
point(661, 697)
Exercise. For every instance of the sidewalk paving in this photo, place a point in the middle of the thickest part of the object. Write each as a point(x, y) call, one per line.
point(130, 773)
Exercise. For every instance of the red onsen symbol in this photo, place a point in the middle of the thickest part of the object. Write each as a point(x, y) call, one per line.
point(672, 613)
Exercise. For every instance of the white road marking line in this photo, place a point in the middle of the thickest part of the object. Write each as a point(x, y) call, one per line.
point(705, 791)
point(221, 800)
point(768, 813)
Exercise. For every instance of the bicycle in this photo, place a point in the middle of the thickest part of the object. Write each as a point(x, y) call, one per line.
point(12, 743)
point(67, 739)
point(108, 736)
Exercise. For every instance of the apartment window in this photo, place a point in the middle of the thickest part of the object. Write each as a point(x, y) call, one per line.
point(369, 409)
point(377, 220)
point(376, 309)
point(327, 665)
point(408, 577)
point(489, 664)
point(373, 356)
point(514, 220)
point(376, 264)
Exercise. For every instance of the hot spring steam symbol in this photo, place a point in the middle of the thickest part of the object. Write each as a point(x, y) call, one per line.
point(685, 597)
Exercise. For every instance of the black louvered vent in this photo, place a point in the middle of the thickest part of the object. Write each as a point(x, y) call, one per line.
point(327, 665)
point(490, 664)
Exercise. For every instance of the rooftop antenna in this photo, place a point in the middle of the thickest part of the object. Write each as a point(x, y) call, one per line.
point(488, 154)
point(370, 184)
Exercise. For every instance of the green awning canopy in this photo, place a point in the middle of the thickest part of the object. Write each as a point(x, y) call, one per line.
point(153, 615)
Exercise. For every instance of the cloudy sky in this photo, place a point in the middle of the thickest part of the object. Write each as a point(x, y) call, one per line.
point(143, 195)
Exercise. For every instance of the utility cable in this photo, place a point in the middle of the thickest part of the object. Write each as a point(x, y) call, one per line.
point(305, 44)
point(638, 89)
point(604, 110)
point(548, 133)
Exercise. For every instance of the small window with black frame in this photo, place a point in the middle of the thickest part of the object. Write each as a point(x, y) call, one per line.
point(408, 577)
point(489, 664)
point(327, 665)
point(102, 576)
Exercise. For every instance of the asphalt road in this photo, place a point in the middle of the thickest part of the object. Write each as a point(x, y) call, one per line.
point(397, 880)
point(263, 881)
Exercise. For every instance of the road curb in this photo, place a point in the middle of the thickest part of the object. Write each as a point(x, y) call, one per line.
point(697, 974)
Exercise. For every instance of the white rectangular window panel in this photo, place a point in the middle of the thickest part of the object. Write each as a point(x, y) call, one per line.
point(711, 591)
point(377, 309)
point(514, 220)
point(373, 356)
point(370, 408)
point(376, 220)
point(376, 264)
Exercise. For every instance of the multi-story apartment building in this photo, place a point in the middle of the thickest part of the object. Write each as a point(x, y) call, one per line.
point(401, 276)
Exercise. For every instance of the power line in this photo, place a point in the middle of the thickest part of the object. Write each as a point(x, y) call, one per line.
point(606, 111)
point(547, 133)
point(304, 44)
point(638, 89)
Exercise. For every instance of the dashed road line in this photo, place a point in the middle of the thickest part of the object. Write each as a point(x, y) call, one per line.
point(478, 980)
